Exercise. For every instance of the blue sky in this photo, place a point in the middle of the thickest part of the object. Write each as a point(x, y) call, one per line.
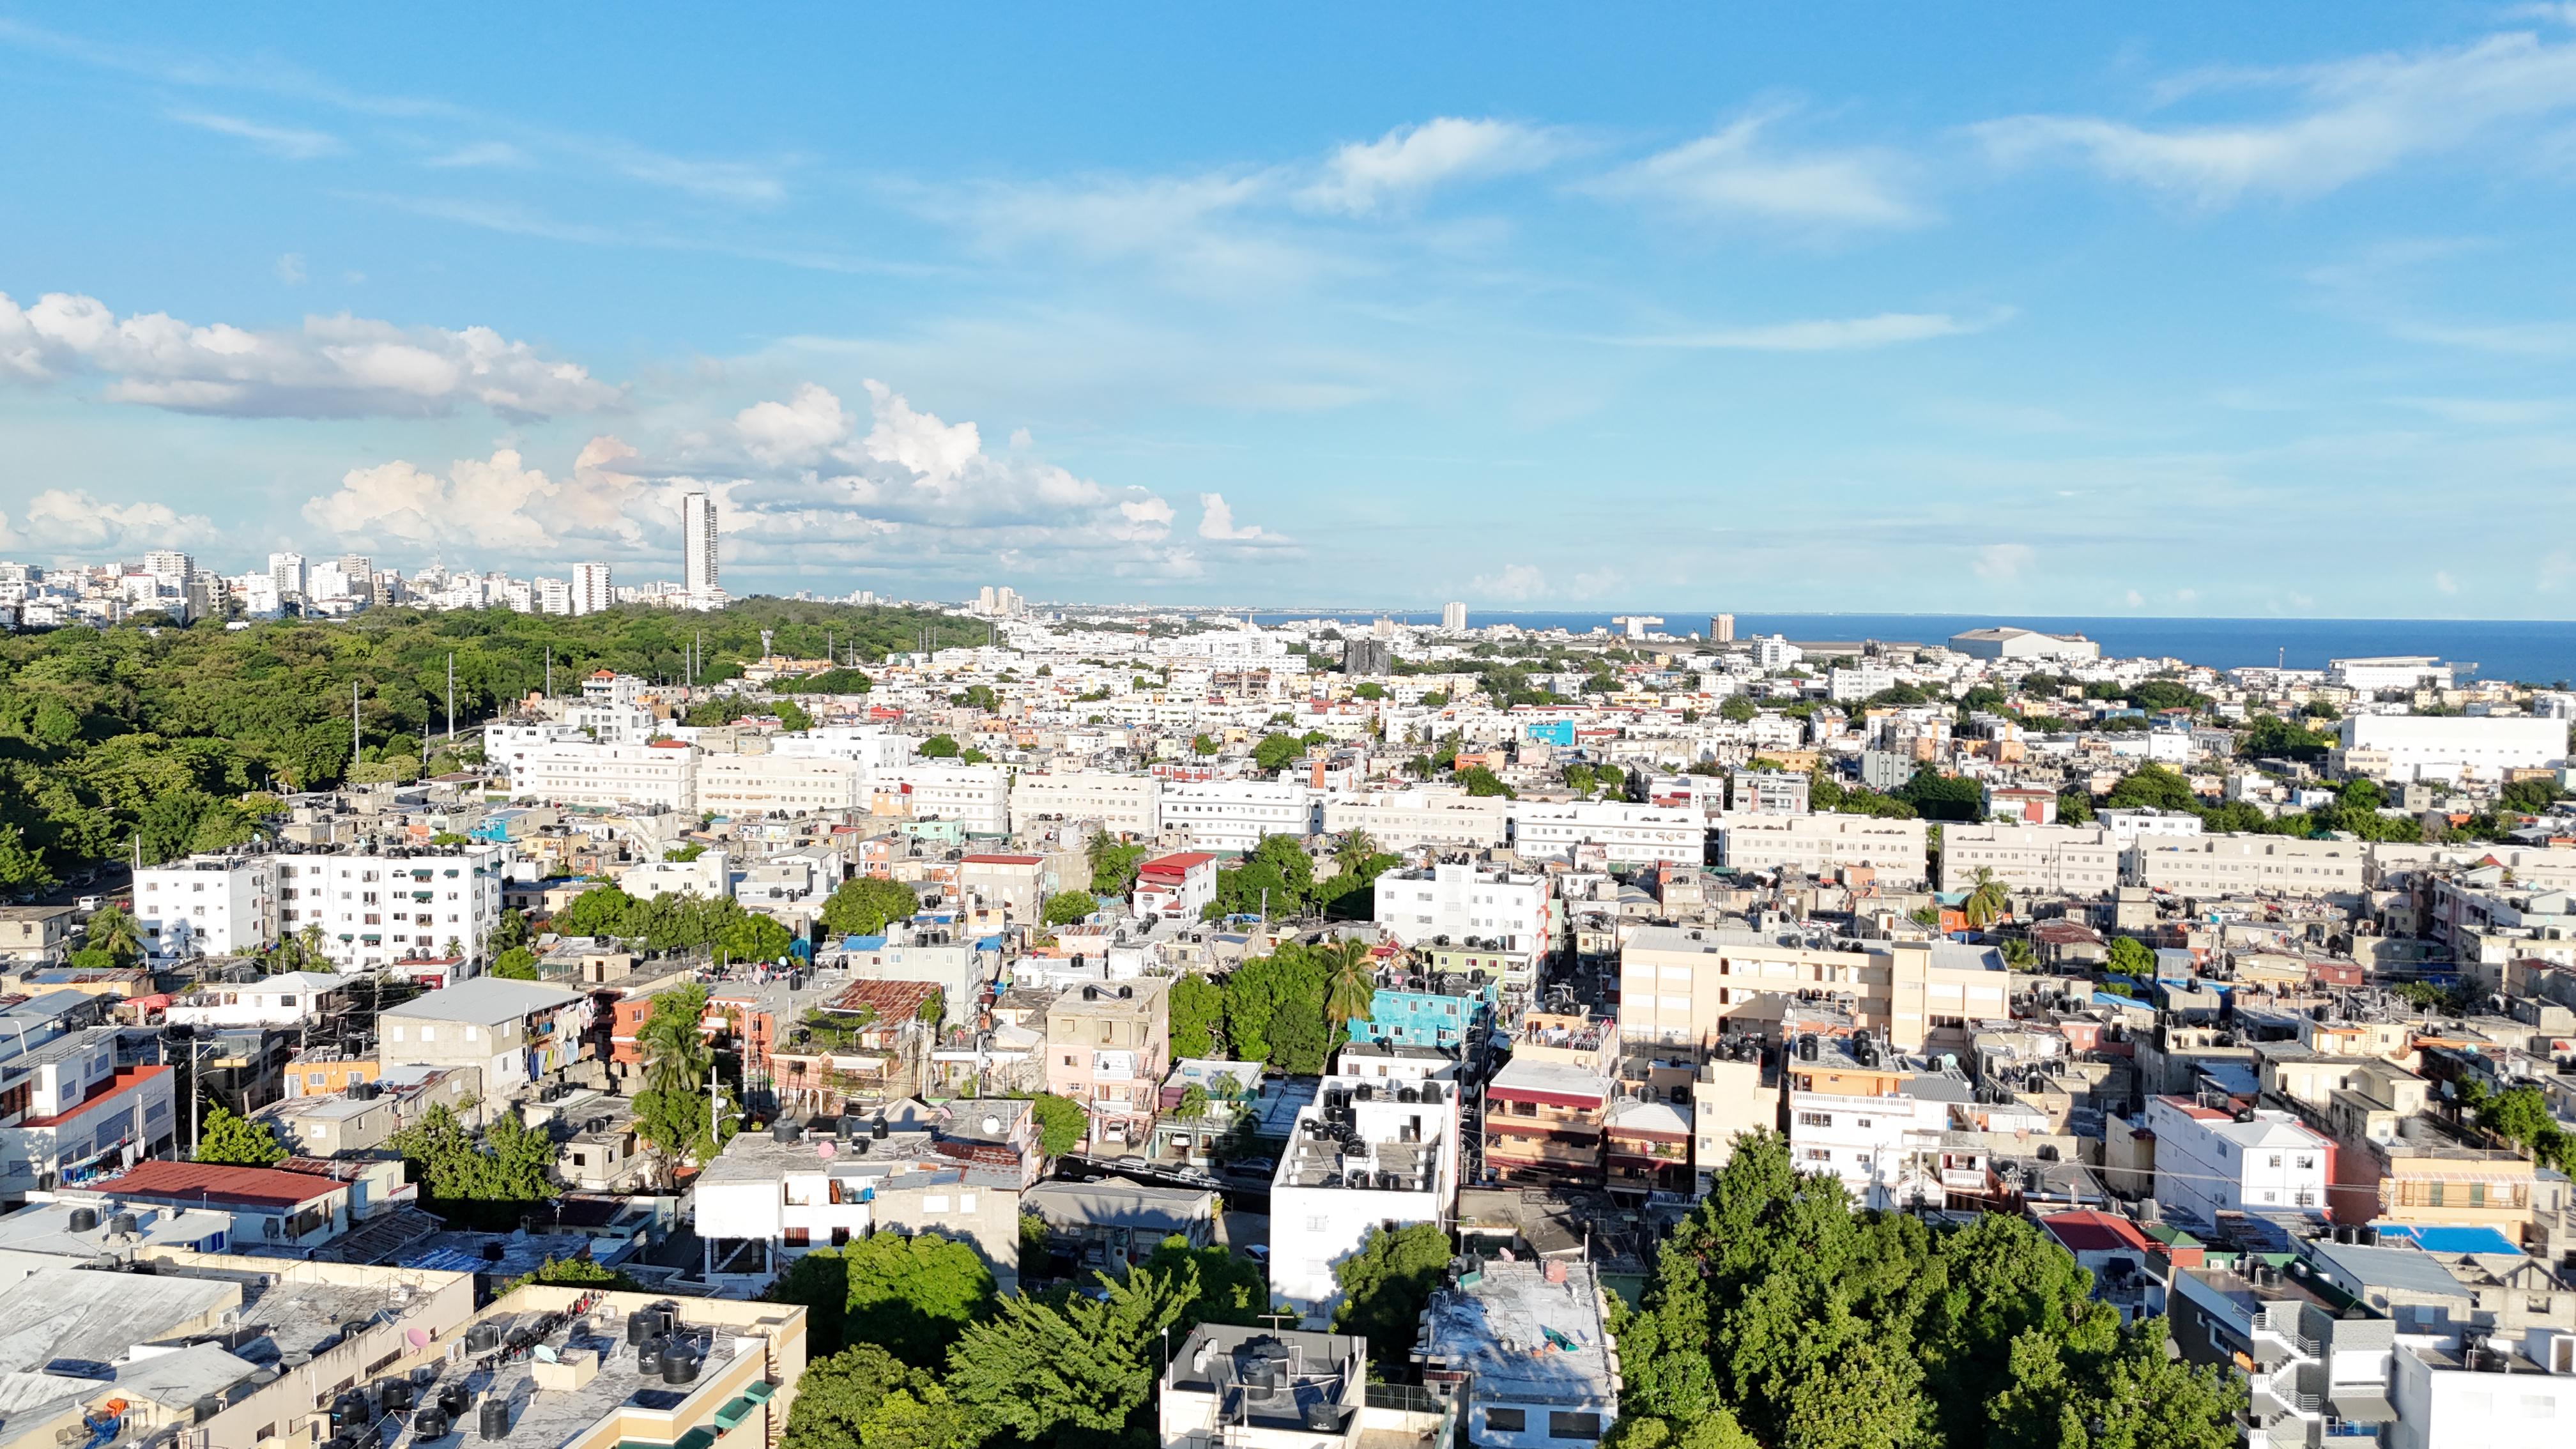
point(2190, 309)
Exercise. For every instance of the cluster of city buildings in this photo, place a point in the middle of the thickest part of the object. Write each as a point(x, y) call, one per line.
point(2236, 1074)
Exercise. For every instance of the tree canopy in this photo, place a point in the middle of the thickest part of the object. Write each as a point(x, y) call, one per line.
point(1387, 1283)
point(914, 1295)
point(484, 1182)
point(1075, 1370)
point(1778, 1307)
point(228, 1137)
point(863, 905)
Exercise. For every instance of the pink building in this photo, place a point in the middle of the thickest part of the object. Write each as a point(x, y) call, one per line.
point(1108, 1048)
point(1176, 885)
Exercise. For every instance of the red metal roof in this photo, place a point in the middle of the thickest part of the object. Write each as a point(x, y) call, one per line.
point(1003, 860)
point(124, 1078)
point(892, 1001)
point(2087, 1231)
point(206, 1182)
point(1173, 867)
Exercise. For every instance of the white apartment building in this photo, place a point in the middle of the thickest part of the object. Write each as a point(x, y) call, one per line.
point(786, 784)
point(1465, 902)
point(977, 796)
point(2449, 747)
point(2130, 825)
point(698, 574)
point(508, 743)
point(2389, 671)
point(1628, 834)
point(582, 773)
point(1453, 618)
point(1435, 817)
point(613, 723)
point(1826, 845)
point(2216, 865)
point(1234, 814)
point(1129, 804)
point(2066, 860)
point(2513, 1395)
point(401, 905)
point(1886, 1149)
point(710, 877)
point(207, 905)
point(591, 589)
point(2208, 1162)
point(1399, 1166)
point(1692, 984)
point(1858, 682)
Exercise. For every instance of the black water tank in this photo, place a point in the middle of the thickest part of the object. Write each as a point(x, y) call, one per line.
point(454, 1400)
point(84, 1220)
point(648, 1356)
point(483, 1337)
point(350, 1410)
point(208, 1407)
point(123, 1223)
point(393, 1395)
point(680, 1366)
point(495, 1419)
point(786, 1130)
point(429, 1424)
point(639, 1326)
point(877, 1129)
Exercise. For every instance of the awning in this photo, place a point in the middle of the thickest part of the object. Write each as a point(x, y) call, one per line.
point(2361, 1406)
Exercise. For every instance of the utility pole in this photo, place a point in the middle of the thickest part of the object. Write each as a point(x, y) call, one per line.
point(451, 696)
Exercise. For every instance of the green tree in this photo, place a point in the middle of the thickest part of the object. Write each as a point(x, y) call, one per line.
point(1065, 908)
point(913, 1296)
point(866, 1397)
point(1387, 1283)
point(1987, 903)
point(1076, 1372)
point(1063, 1124)
point(672, 1112)
point(1350, 974)
point(939, 747)
point(819, 1280)
point(1231, 1289)
point(1113, 864)
point(2074, 807)
point(862, 906)
point(1196, 1008)
point(1275, 751)
point(1481, 782)
point(574, 1273)
point(113, 930)
point(516, 964)
point(1202, 745)
point(2130, 957)
point(1738, 710)
point(2154, 787)
point(229, 1138)
point(484, 1182)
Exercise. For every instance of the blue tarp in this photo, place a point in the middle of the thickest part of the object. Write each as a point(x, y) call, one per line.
point(2451, 1240)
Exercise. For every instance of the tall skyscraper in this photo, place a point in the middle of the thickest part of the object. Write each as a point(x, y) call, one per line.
point(170, 567)
point(286, 573)
point(1721, 628)
point(1453, 618)
point(359, 572)
point(698, 545)
point(984, 600)
point(591, 591)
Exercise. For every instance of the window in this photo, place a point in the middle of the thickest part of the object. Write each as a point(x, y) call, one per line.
point(2276, 1159)
point(1815, 1119)
point(1505, 1421)
point(1567, 1426)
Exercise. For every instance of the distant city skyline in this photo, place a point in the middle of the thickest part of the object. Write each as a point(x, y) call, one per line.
point(2150, 313)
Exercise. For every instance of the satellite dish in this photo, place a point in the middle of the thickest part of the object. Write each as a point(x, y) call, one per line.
point(416, 1337)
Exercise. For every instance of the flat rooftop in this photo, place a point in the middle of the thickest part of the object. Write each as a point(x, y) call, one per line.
point(1523, 1334)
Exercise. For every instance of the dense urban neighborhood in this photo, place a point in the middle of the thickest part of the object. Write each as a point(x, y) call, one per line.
point(944, 1024)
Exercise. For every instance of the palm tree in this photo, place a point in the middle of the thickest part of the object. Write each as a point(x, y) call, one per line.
point(112, 930)
point(1353, 850)
point(1350, 982)
point(1987, 903)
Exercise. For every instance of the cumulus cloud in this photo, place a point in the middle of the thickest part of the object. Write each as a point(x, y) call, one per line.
point(72, 520)
point(1216, 520)
point(1735, 173)
point(2003, 563)
point(1410, 160)
point(802, 482)
point(338, 367)
point(1517, 583)
point(2340, 122)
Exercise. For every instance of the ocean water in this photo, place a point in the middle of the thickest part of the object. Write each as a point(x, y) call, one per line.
point(2529, 651)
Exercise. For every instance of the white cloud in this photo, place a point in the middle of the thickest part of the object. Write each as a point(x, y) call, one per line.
point(796, 431)
point(489, 503)
point(2344, 121)
point(1410, 160)
point(2135, 599)
point(290, 268)
point(1732, 174)
point(290, 142)
point(1823, 334)
point(2004, 563)
point(1216, 520)
point(1515, 583)
point(2442, 580)
point(339, 366)
point(73, 521)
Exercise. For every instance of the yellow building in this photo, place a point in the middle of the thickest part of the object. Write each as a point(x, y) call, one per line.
point(1685, 985)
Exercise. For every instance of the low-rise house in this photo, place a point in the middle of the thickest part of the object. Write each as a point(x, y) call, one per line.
point(1524, 1350)
point(1107, 1048)
point(289, 998)
point(771, 1197)
point(1251, 1388)
point(515, 1032)
point(72, 1114)
point(1114, 1222)
point(1366, 1154)
point(270, 1208)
